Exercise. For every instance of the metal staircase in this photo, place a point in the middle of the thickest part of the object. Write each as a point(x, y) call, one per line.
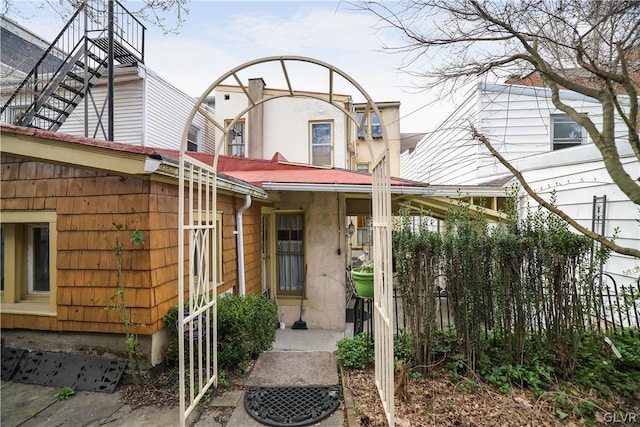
point(73, 63)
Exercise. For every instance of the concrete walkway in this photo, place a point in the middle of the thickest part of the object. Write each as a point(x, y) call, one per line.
point(299, 357)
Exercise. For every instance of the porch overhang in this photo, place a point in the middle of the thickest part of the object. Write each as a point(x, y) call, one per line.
point(422, 205)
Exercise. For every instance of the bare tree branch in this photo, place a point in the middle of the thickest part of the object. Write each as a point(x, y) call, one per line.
point(590, 47)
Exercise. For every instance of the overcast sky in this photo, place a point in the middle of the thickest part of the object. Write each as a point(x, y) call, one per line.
point(217, 36)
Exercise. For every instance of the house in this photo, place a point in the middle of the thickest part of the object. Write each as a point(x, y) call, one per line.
point(304, 129)
point(61, 196)
point(553, 153)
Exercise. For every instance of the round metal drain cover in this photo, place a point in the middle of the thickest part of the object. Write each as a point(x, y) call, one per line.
point(292, 406)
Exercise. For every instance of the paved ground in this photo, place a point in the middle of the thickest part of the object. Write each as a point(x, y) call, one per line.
point(299, 357)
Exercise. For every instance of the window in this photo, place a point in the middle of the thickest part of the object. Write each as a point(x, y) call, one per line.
point(199, 255)
point(565, 132)
point(235, 138)
point(321, 144)
point(376, 128)
point(372, 126)
point(363, 167)
point(192, 139)
point(27, 262)
point(290, 253)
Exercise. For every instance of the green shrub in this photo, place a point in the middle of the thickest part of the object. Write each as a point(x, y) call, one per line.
point(402, 346)
point(246, 328)
point(356, 352)
point(599, 369)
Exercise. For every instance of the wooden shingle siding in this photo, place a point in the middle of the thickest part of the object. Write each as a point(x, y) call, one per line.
point(87, 204)
point(252, 249)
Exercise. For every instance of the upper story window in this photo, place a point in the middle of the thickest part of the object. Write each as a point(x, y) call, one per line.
point(235, 138)
point(371, 125)
point(565, 132)
point(192, 139)
point(321, 143)
point(363, 167)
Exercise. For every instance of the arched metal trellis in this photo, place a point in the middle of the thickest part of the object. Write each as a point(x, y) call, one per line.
point(196, 244)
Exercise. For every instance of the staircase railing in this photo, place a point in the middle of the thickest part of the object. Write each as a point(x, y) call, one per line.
point(72, 64)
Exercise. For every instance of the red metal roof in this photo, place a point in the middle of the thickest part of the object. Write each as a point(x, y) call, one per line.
point(253, 171)
point(278, 170)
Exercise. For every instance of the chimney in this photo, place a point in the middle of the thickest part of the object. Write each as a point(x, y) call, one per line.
point(255, 125)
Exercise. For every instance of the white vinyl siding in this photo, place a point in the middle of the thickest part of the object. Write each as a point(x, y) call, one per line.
point(447, 155)
point(576, 175)
point(515, 119)
point(149, 112)
point(128, 110)
point(167, 109)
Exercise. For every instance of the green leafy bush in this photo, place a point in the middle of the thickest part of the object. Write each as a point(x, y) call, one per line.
point(246, 327)
point(599, 369)
point(356, 352)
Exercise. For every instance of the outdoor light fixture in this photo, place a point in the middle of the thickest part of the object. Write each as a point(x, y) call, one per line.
point(351, 229)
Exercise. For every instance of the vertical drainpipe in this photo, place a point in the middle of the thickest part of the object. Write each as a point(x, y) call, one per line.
point(240, 243)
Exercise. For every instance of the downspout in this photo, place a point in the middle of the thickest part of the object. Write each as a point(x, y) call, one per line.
point(240, 243)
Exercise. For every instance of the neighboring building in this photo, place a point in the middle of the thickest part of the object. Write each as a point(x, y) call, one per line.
point(148, 111)
point(408, 141)
point(390, 111)
point(60, 198)
point(554, 154)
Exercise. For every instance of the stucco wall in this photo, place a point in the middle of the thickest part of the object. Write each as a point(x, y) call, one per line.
point(325, 294)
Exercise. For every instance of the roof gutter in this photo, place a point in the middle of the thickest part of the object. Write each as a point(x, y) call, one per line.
point(164, 166)
point(345, 188)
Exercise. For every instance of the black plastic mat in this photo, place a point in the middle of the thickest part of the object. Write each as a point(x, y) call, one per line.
point(57, 369)
point(10, 360)
point(292, 406)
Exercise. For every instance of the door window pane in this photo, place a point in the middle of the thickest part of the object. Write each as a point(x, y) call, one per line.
point(290, 253)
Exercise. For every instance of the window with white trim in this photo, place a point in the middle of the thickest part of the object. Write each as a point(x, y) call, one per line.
point(321, 143)
point(27, 262)
point(565, 132)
